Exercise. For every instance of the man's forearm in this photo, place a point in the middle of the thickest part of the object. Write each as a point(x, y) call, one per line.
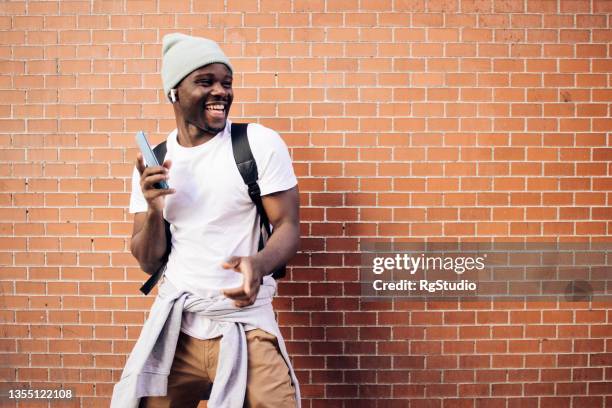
point(149, 244)
point(281, 246)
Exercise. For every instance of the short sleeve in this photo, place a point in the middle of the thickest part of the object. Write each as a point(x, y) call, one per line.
point(137, 201)
point(273, 161)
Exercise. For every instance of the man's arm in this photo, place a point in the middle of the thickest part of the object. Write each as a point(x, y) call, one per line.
point(283, 212)
point(148, 243)
point(282, 209)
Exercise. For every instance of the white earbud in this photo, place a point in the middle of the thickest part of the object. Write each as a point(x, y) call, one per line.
point(173, 95)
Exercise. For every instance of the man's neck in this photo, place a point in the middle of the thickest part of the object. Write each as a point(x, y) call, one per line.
point(191, 136)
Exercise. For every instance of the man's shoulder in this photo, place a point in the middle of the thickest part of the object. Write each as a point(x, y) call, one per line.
point(259, 130)
point(264, 138)
point(169, 136)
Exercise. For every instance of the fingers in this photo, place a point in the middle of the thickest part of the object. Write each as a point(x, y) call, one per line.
point(149, 176)
point(240, 297)
point(240, 303)
point(235, 293)
point(241, 293)
point(248, 287)
point(158, 192)
point(140, 163)
point(142, 167)
point(246, 294)
point(236, 263)
point(148, 182)
point(232, 263)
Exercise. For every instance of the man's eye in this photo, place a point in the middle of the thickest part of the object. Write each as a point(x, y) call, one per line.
point(204, 83)
point(227, 84)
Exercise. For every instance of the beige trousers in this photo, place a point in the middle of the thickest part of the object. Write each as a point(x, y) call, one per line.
point(195, 364)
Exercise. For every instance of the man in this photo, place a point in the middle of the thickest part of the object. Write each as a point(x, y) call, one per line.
point(216, 287)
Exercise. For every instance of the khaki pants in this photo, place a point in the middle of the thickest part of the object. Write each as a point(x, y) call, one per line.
point(195, 365)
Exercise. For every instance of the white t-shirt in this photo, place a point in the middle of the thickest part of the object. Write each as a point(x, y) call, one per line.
point(211, 215)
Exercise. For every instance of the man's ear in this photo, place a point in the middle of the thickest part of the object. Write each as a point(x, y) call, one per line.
point(173, 95)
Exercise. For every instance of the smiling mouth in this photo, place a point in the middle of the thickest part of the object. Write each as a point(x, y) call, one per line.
point(215, 112)
point(215, 108)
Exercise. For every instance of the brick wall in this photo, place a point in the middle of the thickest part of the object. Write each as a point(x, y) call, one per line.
point(481, 120)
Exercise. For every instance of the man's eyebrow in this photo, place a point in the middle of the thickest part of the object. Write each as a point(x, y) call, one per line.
point(208, 75)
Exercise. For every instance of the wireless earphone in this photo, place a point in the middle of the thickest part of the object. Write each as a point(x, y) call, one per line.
point(173, 95)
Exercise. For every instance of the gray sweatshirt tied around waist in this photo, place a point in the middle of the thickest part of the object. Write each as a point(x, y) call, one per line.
point(147, 368)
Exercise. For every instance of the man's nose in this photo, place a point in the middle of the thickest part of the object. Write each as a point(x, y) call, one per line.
point(218, 89)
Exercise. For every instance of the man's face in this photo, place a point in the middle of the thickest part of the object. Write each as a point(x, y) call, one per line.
point(205, 97)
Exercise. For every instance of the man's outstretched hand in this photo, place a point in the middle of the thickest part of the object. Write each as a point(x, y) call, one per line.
point(246, 294)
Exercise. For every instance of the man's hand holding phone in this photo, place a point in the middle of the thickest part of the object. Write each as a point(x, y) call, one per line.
point(149, 176)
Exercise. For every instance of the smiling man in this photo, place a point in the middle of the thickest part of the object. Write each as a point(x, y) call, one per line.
point(212, 322)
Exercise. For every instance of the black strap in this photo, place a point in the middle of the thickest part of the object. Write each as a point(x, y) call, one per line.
point(248, 170)
point(160, 154)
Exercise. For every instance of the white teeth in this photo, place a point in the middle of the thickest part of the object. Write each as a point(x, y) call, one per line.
point(215, 107)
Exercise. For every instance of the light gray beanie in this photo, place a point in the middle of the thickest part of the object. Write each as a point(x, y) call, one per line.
point(182, 54)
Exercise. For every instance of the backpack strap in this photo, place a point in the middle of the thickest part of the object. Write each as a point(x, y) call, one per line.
point(248, 170)
point(160, 154)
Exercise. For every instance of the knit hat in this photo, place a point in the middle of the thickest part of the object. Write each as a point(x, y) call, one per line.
point(182, 54)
